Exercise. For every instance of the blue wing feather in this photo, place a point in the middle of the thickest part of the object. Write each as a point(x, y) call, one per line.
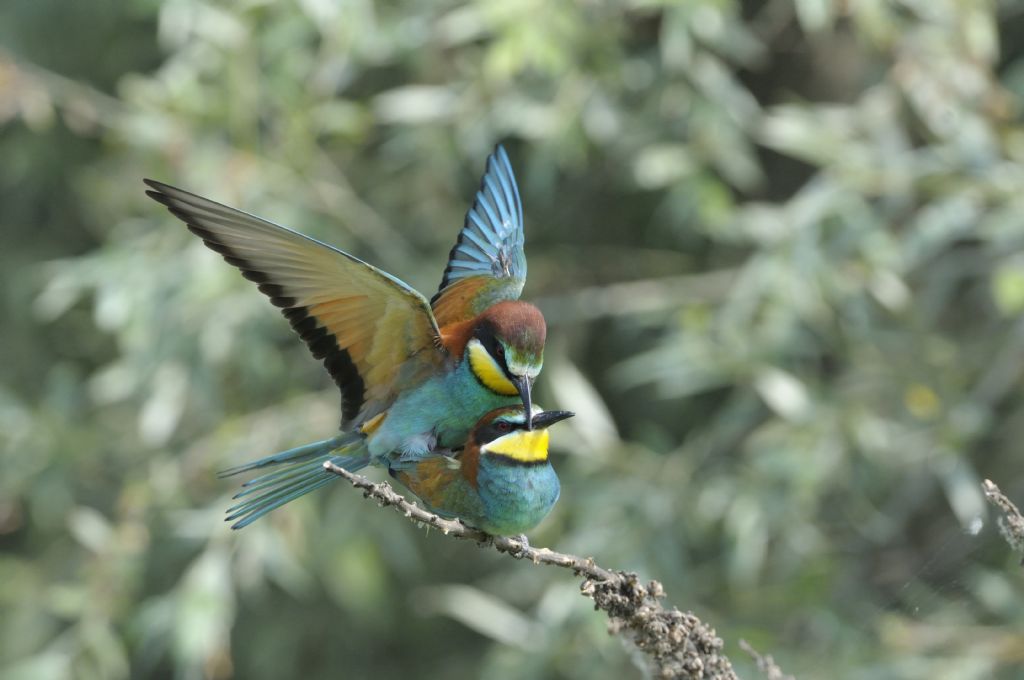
point(491, 241)
point(508, 183)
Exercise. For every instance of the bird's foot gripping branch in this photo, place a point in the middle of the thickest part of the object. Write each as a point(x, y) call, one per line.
point(674, 644)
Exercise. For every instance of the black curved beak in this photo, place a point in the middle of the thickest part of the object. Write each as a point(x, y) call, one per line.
point(546, 419)
point(523, 384)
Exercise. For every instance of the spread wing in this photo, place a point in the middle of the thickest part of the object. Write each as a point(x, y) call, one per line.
point(375, 334)
point(487, 264)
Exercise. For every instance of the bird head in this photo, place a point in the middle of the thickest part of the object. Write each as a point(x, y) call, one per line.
point(504, 433)
point(506, 350)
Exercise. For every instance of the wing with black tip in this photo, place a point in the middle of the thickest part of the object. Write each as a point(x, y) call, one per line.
point(375, 335)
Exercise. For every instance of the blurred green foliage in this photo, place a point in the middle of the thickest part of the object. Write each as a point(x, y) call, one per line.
point(780, 245)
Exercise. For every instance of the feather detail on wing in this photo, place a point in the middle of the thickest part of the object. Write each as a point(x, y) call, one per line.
point(487, 264)
point(429, 477)
point(375, 334)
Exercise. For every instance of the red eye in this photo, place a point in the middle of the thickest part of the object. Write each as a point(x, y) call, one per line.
point(499, 350)
point(503, 426)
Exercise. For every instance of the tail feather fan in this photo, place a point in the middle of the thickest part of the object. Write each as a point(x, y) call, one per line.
point(302, 471)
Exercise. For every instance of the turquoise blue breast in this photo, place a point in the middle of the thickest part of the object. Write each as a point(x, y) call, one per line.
point(515, 497)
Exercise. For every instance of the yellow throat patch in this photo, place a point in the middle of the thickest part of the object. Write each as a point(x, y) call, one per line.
point(525, 446)
point(488, 371)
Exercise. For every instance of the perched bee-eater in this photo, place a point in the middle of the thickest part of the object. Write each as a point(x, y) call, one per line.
point(414, 376)
point(501, 482)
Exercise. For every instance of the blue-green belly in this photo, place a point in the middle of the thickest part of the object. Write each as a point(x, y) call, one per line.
point(446, 406)
point(515, 498)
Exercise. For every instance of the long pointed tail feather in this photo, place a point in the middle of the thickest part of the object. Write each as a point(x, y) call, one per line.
point(301, 471)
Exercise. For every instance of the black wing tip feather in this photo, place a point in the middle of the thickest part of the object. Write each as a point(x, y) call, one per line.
point(169, 190)
point(161, 192)
point(321, 343)
point(159, 197)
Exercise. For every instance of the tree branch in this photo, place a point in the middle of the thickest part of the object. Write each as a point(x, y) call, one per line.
point(765, 663)
point(675, 644)
point(1011, 524)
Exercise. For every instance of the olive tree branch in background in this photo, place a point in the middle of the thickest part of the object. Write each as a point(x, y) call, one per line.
point(765, 663)
point(1011, 524)
point(675, 644)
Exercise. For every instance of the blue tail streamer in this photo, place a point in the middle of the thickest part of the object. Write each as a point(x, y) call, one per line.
point(300, 471)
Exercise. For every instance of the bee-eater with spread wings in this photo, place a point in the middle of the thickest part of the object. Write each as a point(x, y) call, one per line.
point(414, 376)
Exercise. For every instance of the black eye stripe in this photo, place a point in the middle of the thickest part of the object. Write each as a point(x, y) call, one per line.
point(493, 431)
point(485, 334)
point(498, 352)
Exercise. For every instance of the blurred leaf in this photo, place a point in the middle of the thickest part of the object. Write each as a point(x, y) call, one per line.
point(481, 612)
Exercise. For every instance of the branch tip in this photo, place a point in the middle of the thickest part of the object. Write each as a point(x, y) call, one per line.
point(765, 663)
point(1011, 523)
